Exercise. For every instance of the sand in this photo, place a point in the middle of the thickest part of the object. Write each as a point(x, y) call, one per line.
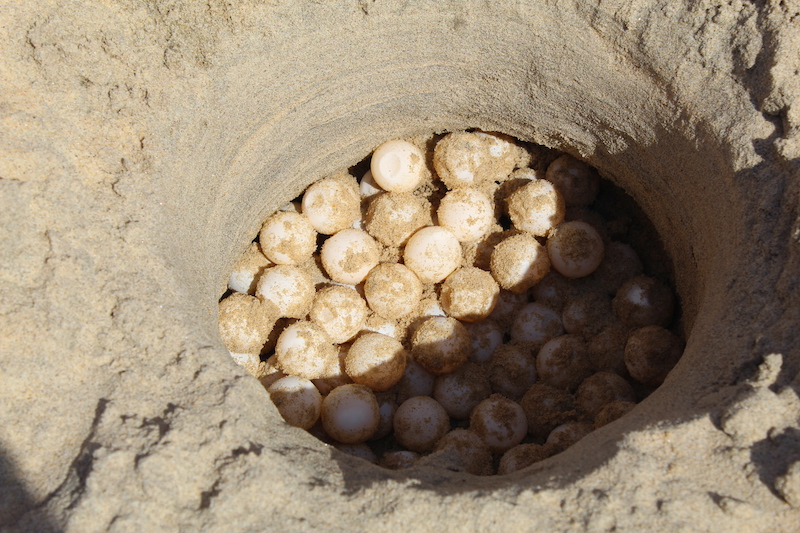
point(144, 143)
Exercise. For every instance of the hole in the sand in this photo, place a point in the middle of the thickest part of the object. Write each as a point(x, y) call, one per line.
point(465, 296)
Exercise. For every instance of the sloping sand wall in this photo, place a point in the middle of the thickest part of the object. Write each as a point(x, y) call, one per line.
point(143, 144)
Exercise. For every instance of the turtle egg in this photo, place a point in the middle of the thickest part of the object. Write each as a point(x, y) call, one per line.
point(392, 290)
point(519, 262)
point(332, 204)
point(416, 381)
point(433, 253)
point(287, 238)
point(305, 350)
point(486, 337)
point(248, 269)
point(245, 322)
point(500, 422)
point(471, 451)
point(461, 390)
point(289, 288)
point(393, 217)
point(536, 207)
point(376, 360)
point(368, 187)
point(644, 301)
point(469, 294)
point(350, 413)
point(349, 255)
point(419, 423)
point(340, 311)
point(298, 401)
point(563, 362)
point(574, 179)
point(568, 434)
point(441, 344)
point(536, 324)
point(521, 456)
point(650, 354)
point(575, 248)
point(467, 213)
point(397, 166)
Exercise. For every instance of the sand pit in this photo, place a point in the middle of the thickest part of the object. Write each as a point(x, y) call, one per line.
point(144, 145)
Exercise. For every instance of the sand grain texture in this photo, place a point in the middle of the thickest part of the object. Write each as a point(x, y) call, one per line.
point(143, 144)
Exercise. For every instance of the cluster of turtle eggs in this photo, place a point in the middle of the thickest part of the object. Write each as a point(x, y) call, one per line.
point(457, 305)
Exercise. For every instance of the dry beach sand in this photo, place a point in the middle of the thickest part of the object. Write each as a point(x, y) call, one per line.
point(143, 143)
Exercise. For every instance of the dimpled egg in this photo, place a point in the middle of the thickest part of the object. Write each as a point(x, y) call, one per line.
point(397, 166)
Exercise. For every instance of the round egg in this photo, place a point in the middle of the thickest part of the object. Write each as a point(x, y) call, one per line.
point(397, 166)
point(471, 452)
point(340, 311)
point(349, 255)
point(419, 423)
point(393, 217)
point(650, 353)
point(536, 207)
point(245, 322)
point(298, 401)
point(441, 344)
point(546, 408)
point(522, 456)
point(305, 350)
point(536, 324)
point(644, 301)
point(575, 249)
point(512, 370)
point(350, 413)
point(563, 362)
point(375, 360)
point(567, 434)
point(499, 422)
point(392, 290)
point(519, 262)
point(287, 238)
point(486, 336)
point(577, 182)
point(599, 390)
point(433, 253)
point(461, 390)
point(289, 288)
point(248, 269)
point(332, 204)
point(416, 381)
point(467, 213)
point(467, 159)
point(469, 294)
